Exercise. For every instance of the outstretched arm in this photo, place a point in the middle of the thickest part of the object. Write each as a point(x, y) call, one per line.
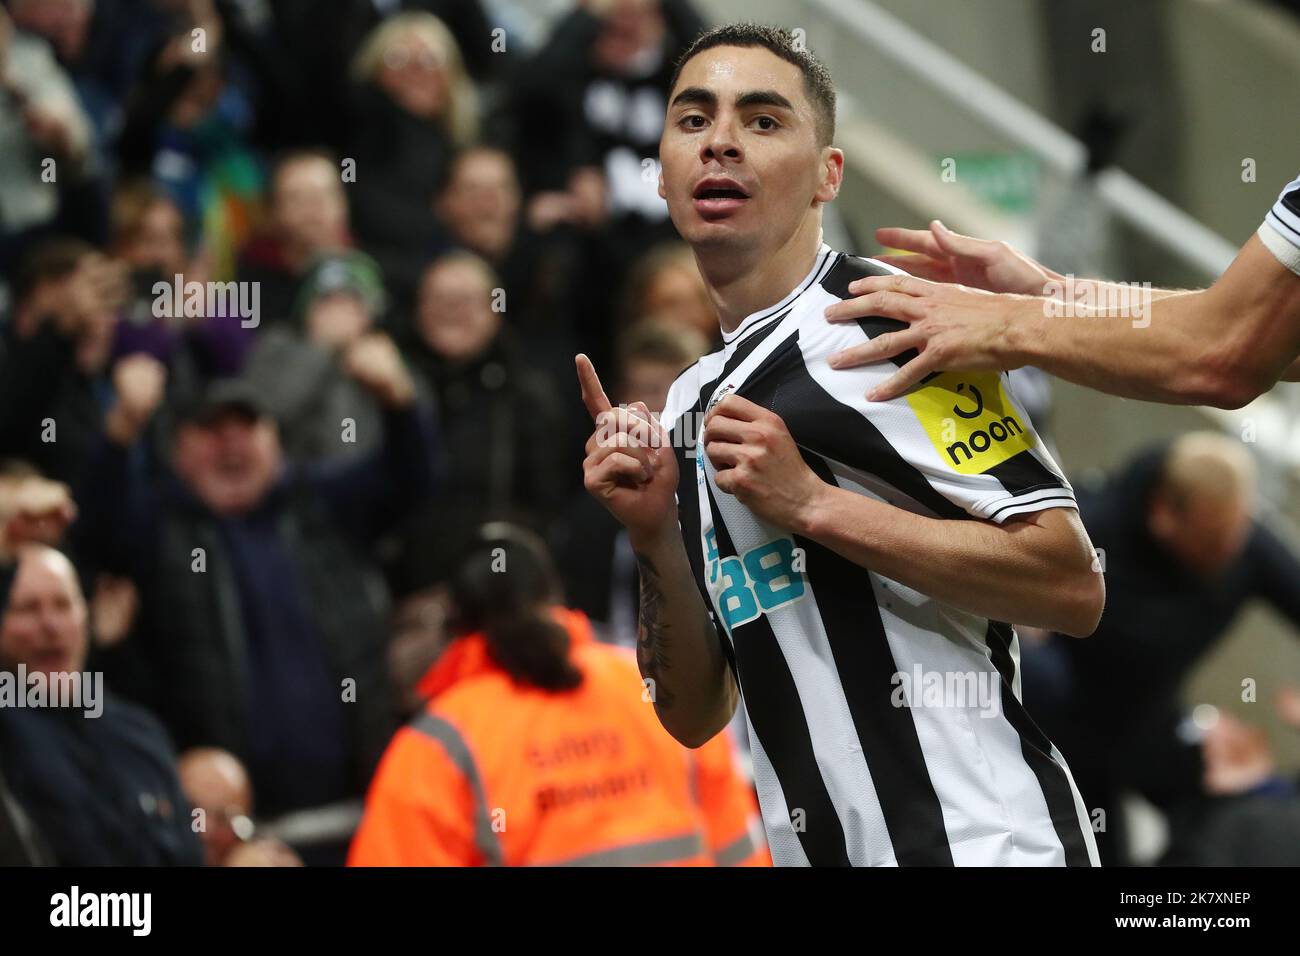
point(1220, 346)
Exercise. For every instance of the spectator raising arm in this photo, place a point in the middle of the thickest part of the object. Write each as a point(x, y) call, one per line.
point(117, 513)
point(367, 496)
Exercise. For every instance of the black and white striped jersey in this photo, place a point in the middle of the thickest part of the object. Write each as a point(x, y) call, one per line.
point(886, 727)
point(1280, 230)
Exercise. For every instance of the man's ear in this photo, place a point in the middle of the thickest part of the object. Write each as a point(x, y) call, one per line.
point(832, 174)
point(663, 193)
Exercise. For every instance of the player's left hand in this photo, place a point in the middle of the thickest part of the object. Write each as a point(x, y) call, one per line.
point(757, 461)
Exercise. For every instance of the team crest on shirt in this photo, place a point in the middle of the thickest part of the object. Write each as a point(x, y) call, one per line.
point(970, 421)
point(722, 393)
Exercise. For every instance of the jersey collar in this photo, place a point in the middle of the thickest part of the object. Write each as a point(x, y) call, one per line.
point(824, 255)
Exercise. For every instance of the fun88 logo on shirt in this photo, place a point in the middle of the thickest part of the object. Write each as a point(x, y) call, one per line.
point(759, 581)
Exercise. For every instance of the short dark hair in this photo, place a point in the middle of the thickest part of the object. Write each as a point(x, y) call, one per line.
point(817, 82)
point(285, 158)
point(49, 260)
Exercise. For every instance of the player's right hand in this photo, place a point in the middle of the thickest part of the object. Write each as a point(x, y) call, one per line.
point(630, 467)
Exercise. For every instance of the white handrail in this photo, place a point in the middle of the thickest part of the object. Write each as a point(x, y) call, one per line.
point(1148, 212)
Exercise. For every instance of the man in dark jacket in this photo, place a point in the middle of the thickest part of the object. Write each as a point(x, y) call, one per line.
point(93, 773)
point(264, 617)
point(1183, 552)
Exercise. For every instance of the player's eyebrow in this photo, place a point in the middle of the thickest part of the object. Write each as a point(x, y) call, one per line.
point(697, 96)
point(764, 98)
point(702, 96)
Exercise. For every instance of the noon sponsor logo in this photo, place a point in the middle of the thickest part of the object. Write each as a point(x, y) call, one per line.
point(970, 420)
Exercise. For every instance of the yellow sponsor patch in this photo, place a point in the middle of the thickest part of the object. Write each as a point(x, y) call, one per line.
point(971, 422)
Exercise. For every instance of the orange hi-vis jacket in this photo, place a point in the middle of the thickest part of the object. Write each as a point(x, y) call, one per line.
point(493, 772)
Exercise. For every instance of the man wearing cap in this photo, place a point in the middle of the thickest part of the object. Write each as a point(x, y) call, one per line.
point(263, 619)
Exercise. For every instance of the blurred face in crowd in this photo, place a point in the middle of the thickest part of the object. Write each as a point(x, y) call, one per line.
point(742, 168)
point(308, 206)
point(158, 241)
point(88, 304)
point(419, 637)
point(230, 463)
point(413, 73)
point(647, 381)
point(1204, 532)
point(83, 302)
point(676, 293)
point(1237, 756)
point(199, 96)
point(216, 783)
point(481, 202)
point(455, 309)
point(44, 626)
point(631, 30)
point(62, 22)
point(337, 320)
point(1202, 511)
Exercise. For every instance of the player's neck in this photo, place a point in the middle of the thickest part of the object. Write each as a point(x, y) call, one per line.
point(742, 283)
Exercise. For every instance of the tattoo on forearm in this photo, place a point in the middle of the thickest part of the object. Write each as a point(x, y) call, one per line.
point(651, 640)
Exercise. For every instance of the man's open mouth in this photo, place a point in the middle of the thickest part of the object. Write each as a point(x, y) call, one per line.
point(718, 198)
point(719, 189)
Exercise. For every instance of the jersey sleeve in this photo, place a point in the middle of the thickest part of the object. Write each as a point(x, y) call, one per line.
point(957, 444)
point(1280, 230)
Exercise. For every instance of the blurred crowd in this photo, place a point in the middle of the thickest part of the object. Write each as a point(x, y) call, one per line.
point(291, 294)
point(292, 291)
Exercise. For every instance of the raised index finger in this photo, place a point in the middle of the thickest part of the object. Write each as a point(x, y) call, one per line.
point(593, 396)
